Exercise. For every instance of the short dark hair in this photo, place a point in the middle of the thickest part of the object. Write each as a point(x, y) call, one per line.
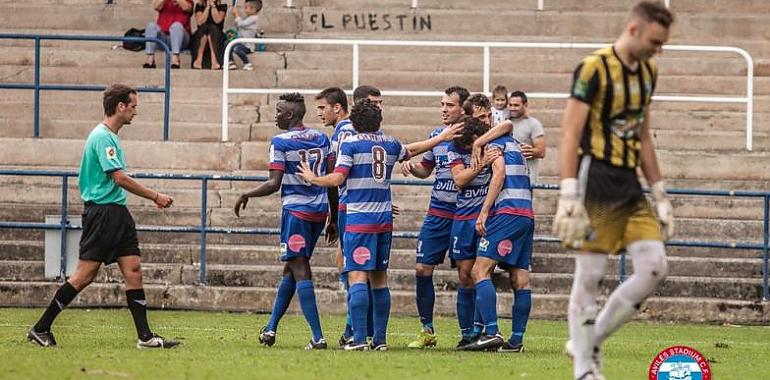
point(334, 95)
point(519, 94)
point(461, 92)
point(478, 100)
point(297, 102)
point(471, 131)
point(114, 94)
point(365, 91)
point(366, 116)
point(256, 3)
point(500, 90)
point(653, 11)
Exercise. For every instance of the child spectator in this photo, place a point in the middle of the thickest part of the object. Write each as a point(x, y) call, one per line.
point(500, 110)
point(247, 28)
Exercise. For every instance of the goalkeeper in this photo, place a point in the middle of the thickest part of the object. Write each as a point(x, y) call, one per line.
point(605, 138)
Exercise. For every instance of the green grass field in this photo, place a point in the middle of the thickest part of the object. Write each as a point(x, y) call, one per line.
point(99, 344)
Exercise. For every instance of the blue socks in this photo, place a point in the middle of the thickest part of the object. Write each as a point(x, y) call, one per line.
point(307, 302)
point(478, 324)
point(520, 314)
point(370, 314)
point(381, 314)
point(348, 322)
point(486, 301)
point(466, 306)
point(426, 298)
point(358, 304)
point(282, 300)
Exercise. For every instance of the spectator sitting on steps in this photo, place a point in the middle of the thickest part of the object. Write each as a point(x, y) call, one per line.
point(171, 27)
point(247, 28)
point(210, 17)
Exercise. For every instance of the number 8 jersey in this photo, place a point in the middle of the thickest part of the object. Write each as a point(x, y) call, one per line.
point(367, 160)
point(287, 150)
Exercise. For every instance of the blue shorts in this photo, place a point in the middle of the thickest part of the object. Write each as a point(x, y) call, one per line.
point(342, 218)
point(434, 239)
point(366, 252)
point(298, 237)
point(464, 240)
point(508, 241)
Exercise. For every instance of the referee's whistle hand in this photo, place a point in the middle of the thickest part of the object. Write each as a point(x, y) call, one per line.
point(164, 201)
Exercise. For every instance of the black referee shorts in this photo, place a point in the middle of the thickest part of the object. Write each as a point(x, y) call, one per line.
point(109, 232)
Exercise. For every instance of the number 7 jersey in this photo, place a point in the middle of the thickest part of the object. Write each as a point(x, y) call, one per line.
point(287, 150)
point(367, 160)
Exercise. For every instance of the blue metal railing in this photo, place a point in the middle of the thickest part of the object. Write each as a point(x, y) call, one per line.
point(37, 86)
point(203, 229)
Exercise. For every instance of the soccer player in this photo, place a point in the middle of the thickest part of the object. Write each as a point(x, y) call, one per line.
point(109, 232)
point(434, 239)
point(366, 163)
point(304, 212)
point(506, 224)
point(368, 92)
point(605, 137)
point(526, 129)
point(472, 183)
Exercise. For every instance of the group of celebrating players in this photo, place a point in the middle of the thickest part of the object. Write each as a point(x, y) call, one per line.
point(480, 210)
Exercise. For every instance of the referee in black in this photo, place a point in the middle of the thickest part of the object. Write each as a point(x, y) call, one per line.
point(109, 233)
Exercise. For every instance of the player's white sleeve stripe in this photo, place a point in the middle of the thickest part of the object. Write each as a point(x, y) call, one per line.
point(515, 194)
point(516, 170)
point(294, 199)
point(369, 207)
point(445, 196)
point(512, 146)
point(366, 183)
point(293, 179)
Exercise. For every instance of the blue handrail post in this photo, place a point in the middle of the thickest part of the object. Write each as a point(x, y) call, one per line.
point(64, 222)
point(204, 206)
point(766, 236)
point(37, 86)
point(622, 269)
point(167, 97)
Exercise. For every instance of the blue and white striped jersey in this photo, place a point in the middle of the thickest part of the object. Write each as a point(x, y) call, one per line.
point(515, 198)
point(443, 198)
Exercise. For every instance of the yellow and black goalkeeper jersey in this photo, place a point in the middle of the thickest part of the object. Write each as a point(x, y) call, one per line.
point(619, 100)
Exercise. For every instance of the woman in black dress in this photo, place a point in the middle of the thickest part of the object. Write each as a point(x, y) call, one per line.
point(210, 17)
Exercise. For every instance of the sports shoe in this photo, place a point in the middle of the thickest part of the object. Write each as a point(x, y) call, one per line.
point(266, 337)
point(424, 339)
point(486, 343)
point(156, 341)
point(232, 66)
point(44, 339)
point(597, 358)
point(248, 67)
point(345, 340)
point(352, 346)
point(378, 347)
point(320, 345)
point(508, 347)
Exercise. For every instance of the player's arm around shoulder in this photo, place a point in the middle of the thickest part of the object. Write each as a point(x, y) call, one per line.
point(501, 129)
point(495, 186)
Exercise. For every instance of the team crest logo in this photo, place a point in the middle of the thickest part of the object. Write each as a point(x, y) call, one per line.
point(680, 363)
point(504, 247)
point(483, 244)
point(580, 89)
point(361, 255)
point(296, 242)
point(111, 153)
